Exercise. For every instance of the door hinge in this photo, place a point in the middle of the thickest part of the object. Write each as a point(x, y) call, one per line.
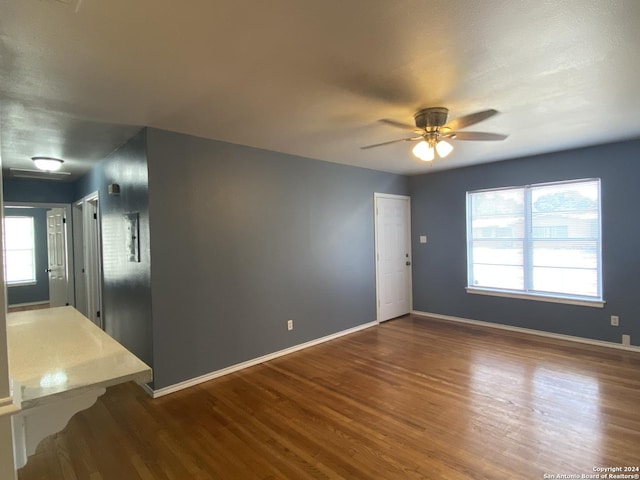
point(95, 216)
point(98, 314)
point(64, 220)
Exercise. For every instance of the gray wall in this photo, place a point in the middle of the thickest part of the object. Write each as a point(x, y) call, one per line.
point(40, 291)
point(439, 267)
point(126, 285)
point(37, 191)
point(244, 239)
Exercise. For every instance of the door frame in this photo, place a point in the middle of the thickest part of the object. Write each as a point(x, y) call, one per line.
point(88, 247)
point(9, 404)
point(68, 239)
point(376, 196)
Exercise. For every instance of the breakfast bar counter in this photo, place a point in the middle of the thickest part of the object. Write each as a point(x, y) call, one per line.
point(60, 363)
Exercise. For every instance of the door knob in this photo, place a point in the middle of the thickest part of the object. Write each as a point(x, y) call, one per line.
point(408, 263)
point(47, 270)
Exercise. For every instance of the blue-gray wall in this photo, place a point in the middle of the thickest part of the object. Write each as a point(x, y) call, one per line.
point(37, 191)
point(243, 240)
point(39, 292)
point(440, 268)
point(126, 291)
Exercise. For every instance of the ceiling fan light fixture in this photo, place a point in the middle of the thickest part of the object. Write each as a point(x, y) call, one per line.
point(443, 148)
point(432, 127)
point(424, 151)
point(47, 164)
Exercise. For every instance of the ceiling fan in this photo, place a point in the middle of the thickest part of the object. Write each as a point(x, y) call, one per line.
point(433, 130)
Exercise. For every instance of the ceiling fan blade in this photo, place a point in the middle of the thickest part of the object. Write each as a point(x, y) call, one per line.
point(390, 142)
point(468, 120)
point(479, 136)
point(397, 124)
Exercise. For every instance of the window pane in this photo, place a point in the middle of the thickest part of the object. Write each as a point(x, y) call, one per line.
point(497, 252)
point(565, 230)
point(489, 261)
point(565, 197)
point(20, 257)
point(565, 225)
point(566, 281)
point(19, 272)
point(19, 249)
point(498, 214)
point(568, 253)
point(18, 232)
point(498, 202)
point(497, 230)
point(498, 276)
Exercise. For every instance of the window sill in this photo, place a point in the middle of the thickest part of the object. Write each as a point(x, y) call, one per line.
point(21, 284)
point(537, 297)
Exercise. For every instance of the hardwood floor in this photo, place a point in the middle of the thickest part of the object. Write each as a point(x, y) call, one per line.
point(410, 399)
point(24, 308)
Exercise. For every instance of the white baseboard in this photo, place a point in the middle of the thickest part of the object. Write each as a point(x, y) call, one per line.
point(530, 331)
point(147, 389)
point(250, 363)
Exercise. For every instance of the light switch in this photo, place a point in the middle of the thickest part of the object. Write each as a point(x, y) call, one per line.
point(423, 239)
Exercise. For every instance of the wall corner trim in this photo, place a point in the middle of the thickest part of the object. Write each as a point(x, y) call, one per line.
point(529, 331)
point(250, 363)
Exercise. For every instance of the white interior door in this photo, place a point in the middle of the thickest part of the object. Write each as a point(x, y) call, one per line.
point(393, 255)
point(57, 251)
point(92, 260)
point(78, 258)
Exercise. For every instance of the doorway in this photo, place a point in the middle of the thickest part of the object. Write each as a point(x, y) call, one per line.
point(88, 254)
point(52, 257)
point(393, 255)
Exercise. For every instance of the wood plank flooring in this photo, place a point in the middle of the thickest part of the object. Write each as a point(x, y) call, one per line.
point(413, 398)
point(25, 308)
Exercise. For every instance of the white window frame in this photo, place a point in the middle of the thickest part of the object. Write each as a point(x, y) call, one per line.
point(596, 301)
point(33, 279)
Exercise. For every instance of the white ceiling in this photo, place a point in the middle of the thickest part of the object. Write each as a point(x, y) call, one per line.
point(312, 78)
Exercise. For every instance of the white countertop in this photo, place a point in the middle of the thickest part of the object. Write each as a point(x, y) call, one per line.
point(58, 352)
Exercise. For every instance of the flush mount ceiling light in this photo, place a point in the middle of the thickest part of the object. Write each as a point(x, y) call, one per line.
point(47, 164)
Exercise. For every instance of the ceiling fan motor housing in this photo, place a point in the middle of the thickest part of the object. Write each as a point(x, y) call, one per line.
point(431, 118)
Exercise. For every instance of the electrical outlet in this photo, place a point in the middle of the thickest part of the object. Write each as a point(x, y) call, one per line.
point(289, 324)
point(626, 340)
point(615, 320)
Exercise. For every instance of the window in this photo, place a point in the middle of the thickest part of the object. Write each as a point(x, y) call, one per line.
point(19, 251)
point(541, 241)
